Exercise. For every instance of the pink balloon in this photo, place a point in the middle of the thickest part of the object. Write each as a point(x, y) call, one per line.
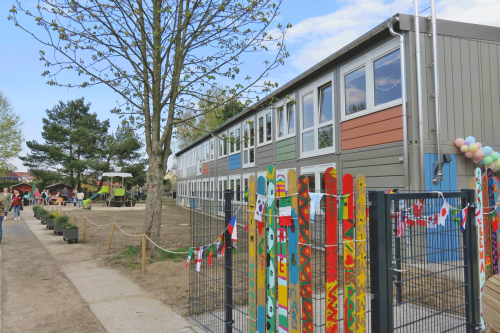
point(459, 142)
point(479, 154)
point(479, 145)
point(469, 154)
point(477, 160)
point(491, 166)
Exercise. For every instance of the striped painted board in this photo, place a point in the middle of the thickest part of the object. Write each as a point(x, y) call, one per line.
point(305, 256)
point(293, 256)
point(493, 220)
point(271, 251)
point(487, 227)
point(348, 236)
point(497, 216)
point(261, 263)
point(281, 238)
point(361, 273)
point(331, 254)
point(252, 262)
point(480, 236)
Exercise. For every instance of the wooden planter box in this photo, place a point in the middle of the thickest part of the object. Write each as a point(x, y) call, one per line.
point(70, 235)
point(58, 229)
point(50, 223)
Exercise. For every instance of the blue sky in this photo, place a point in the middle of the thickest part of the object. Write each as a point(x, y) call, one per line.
point(320, 27)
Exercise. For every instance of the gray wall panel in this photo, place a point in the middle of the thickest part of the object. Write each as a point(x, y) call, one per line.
point(265, 155)
point(222, 165)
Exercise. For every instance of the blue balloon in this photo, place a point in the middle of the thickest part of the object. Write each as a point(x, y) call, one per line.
point(471, 139)
point(481, 163)
point(487, 150)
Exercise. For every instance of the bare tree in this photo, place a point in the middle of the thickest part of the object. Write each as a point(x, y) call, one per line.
point(160, 57)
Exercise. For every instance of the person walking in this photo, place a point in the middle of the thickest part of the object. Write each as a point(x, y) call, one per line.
point(3, 202)
point(7, 196)
point(36, 195)
point(79, 198)
point(65, 195)
point(16, 203)
point(73, 197)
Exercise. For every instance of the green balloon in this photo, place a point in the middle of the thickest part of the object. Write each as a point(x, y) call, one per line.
point(487, 160)
point(494, 157)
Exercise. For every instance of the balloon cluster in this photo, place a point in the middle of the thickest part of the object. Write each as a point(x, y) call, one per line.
point(479, 154)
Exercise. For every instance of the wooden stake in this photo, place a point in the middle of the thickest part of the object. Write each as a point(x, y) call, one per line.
point(110, 237)
point(143, 254)
point(84, 229)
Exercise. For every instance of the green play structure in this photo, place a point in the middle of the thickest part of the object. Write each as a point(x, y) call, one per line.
point(117, 195)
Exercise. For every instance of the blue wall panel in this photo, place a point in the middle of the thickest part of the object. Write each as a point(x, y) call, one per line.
point(437, 239)
point(235, 161)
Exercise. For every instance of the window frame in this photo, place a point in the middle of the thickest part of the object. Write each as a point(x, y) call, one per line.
point(212, 149)
point(367, 61)
point(222, 142)
point(284, 104)
point(263, 114)
point(315, 88)
point(235, 178)
point(234, 145)
point(243, 149)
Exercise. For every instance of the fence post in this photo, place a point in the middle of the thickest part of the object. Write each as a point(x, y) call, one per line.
point(471, 265)
point(228, 262)
point(380, 257)
point(110, 237)
point(143, 254)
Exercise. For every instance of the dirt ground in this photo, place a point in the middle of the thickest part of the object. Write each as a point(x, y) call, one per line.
point(166, 280)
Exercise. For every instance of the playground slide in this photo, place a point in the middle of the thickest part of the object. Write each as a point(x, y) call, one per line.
point(104, 189)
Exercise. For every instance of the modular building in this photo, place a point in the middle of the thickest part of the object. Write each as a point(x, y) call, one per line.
point(358, 110)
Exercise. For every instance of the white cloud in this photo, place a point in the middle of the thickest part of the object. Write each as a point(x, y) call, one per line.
point(315, 38)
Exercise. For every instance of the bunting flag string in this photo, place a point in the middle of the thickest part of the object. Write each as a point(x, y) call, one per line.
point(285, 212)
point(189, 257)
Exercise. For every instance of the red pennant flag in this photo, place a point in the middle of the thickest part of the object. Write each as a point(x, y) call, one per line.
point(246, 228)
point(210, 252)
point(421, 222)
point(417, 208)
point(410, 222)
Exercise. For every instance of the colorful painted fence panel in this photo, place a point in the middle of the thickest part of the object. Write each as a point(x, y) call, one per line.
point(252, 262)
point(293, 258)
point(281, 242)
point(261, 263)
point(331, 282)
point(487, 227)
point(480, 235)
point(349, 236)
point(271, 251)
point(361, 273)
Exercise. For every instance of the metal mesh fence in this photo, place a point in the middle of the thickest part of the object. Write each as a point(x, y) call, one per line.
point(429, 284)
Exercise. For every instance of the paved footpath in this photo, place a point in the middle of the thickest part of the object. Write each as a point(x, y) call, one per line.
point(43, 277)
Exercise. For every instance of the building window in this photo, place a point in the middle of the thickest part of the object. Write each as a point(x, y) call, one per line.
point(222, 145)
point(212, 149)
point(265, 127)
point(372, 82)
point(285, 117)
point(317, 130)
point(235, 186)
point(248, 143)
point(235, 139)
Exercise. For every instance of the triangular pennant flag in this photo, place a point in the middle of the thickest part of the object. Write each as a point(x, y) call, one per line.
point(401, 224)
point(421, 222)
point(431, 221)
point(314, 199)
point(285, 212)
point(445, 210)
point(246, 228)
point(223, 249)
point(341, 208)
point(200, 258)
point(463, 218)
point(210, 252)
point(417, 208)
point(246, 194)
point(259, 207)
point(231, 227)
point(189, 257)
point(219, 245)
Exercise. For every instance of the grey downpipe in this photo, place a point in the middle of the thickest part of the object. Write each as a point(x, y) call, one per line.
point(439, 177)
point(403, 98)
point(419, 97)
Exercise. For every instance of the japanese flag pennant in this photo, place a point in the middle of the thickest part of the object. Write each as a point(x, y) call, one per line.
point(463, 218)
point(189, 257)
point(232, 229)
point(445, 210)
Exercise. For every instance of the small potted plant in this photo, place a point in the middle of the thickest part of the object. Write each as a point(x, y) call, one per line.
point(49, 218)
point(35, 210)
point(70, 232)
point(59, 222)
point(41, 215)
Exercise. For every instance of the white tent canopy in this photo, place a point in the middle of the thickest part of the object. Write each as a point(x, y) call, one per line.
point(116, 174)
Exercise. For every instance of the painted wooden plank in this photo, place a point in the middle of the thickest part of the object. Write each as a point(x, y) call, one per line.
point(466, 86)
point(361, 272)
point(486, 92)
point(271, 251)
point(378, 127)
point(480, 236)
point(373, 139)
point(477, 120)
point(286, 142)
point(348, 231)
point(395, 169)
point(261, 263)
point(305, 256)
point(282, 270)
point(293, 257)
point(377, 117)
point(496, 193)
point(252, 262)
point(492, 215)
point(331, 241)
point(286, 156)
point(487, 227)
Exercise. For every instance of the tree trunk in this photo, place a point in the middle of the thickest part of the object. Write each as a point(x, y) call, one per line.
point(152, 222)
